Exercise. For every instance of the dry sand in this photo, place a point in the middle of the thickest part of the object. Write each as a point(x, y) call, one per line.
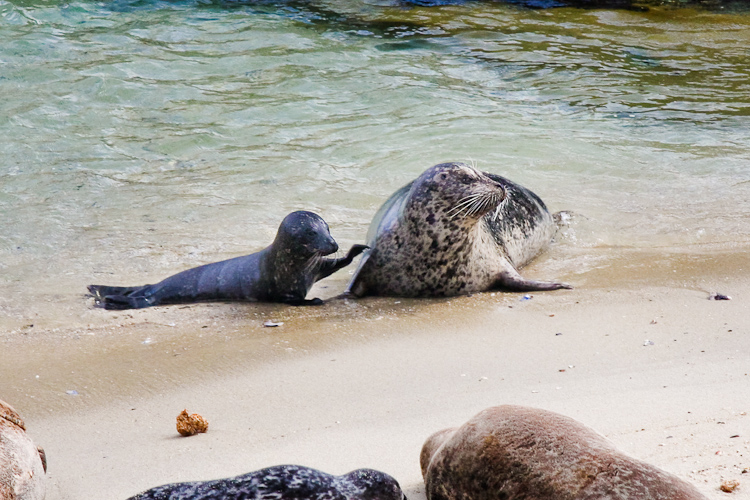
point(636, 351)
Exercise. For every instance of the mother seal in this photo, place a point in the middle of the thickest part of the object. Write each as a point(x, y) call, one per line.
point(284, 482)
point(282, 272)
point(454, 230)
point(521, 453)
point(22, 464)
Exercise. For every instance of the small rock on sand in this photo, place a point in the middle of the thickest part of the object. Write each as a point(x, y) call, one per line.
point(187, 425)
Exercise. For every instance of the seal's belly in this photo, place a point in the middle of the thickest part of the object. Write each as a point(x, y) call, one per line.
point(413, 270)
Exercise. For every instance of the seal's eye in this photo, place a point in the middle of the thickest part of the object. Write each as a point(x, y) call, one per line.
point(443, 176)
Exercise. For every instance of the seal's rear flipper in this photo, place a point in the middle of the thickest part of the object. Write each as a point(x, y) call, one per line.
point(121, 302)
point(563, 218)
point(101, 291)
point(118, 297)
point(513, 282)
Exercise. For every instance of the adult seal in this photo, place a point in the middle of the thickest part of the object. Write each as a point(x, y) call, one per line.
point(284, 482)
point(452, 231)
point(282, 272)
point(22, 464)
point(521, 453)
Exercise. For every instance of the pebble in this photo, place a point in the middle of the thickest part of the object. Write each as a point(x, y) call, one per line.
point(729, 485)
point(187, 425)
point(719, 296)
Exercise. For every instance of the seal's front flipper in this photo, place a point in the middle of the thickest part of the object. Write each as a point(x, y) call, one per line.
point(513, 282)
point(356, 250)
point(330, 266)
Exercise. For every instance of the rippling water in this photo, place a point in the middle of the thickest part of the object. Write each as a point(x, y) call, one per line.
point(139, 138)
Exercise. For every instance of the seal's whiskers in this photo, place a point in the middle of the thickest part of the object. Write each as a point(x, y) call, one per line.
point(474, 204)
point(464, 204)
point(313, 264)
point(499, 207)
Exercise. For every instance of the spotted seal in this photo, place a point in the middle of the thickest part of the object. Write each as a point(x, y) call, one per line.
point(22, 464)
point(282, 272)
point(520, 453)
point(452, 231)
point(284, 482)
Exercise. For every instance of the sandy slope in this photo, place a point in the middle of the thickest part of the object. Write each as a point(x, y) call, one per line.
point(661, 370)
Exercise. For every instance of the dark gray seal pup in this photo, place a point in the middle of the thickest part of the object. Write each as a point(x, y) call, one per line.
point(284, 482)
point(452, 231)
point(521, 453)
point(282, 272)
point(22, 464)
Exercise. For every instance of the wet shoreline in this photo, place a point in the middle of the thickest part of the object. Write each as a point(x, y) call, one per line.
point(150, 350)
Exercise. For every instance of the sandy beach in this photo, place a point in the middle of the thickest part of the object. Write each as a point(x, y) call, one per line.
point(637, 351)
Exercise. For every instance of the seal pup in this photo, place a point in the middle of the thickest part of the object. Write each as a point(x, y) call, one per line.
point(521, 453)
point(452, 231)
point(22, 464)
point(282, 272)
point(284, 482)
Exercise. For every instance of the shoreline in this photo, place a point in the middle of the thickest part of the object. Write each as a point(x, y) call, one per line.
point(363, 383)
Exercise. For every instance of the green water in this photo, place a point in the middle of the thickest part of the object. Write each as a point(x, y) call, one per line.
point(142, 138)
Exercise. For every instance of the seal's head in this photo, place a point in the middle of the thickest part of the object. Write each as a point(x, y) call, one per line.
point(431, 446)
point(11, 415)
point(306, 233)
point(374, 485)
point(456, 191)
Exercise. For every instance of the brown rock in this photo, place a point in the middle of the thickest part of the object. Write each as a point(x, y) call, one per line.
point(187, 425)
point(729, 485)
point(520, 453)
point(22, 463)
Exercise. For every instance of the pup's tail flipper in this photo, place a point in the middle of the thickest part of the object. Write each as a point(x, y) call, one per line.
point(118, 297)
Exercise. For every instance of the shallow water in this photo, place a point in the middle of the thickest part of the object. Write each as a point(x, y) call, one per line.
point(141, 138)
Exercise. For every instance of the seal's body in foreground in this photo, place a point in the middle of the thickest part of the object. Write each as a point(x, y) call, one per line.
point(520, 453)
point(284, 482)
point(22, 464)
point(452, 231)
point(282, 272)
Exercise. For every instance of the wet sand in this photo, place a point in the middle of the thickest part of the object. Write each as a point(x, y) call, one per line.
point(636, 351)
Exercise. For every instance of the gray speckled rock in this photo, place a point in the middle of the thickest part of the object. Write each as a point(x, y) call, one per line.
point(284, 482)
point(22, 464)
point(520, 453)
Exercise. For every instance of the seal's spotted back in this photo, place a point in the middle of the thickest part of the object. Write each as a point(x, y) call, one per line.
point(284, 482)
